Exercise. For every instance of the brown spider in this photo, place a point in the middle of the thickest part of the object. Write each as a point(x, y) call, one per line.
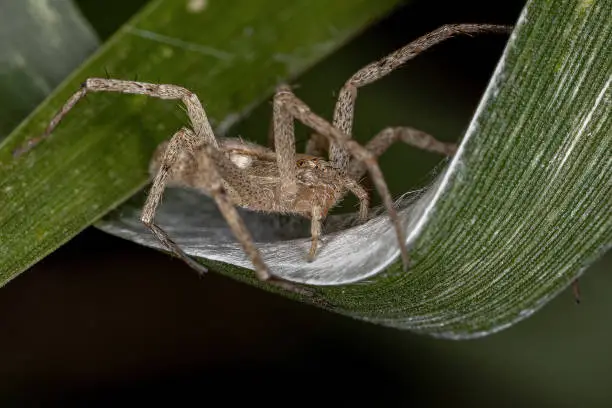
point(238, 173)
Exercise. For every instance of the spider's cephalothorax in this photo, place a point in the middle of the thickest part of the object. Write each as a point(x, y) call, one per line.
point(318, 184)
point(276, 178)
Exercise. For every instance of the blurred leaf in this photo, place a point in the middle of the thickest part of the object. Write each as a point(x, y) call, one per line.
point(40, 43)
point(519, 213)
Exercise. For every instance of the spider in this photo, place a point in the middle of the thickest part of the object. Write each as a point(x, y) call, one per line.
point(277, 179)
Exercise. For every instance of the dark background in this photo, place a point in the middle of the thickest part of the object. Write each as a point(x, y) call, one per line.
point(103, 320)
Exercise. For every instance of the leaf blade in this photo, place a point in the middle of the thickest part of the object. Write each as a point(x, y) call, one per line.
point(495, 234)
point(465, 283)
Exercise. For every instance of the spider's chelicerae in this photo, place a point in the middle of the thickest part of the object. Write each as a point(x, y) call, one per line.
point(277, 179)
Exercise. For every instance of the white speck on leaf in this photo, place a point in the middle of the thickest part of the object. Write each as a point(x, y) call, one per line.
point(196, 6)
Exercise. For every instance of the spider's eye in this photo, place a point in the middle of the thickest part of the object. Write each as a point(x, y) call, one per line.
point(300, 163)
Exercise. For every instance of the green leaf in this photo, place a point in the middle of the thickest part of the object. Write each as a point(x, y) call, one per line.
point(479, 262)
point(516, 216)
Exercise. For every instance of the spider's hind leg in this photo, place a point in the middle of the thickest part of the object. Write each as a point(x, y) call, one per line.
point(413, 137)
point(345, 105)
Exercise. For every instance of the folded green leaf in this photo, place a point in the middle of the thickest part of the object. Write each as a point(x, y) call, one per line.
point(469, 245)
point(520, 211)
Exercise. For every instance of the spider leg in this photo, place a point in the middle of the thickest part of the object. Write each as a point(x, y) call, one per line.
point(195, 110)
point(208, 176)
point(183, 139)
point(284, 147)
point(362, 195)
point(384, 139)
point(283, 137)
point(300, 111)
point(315, 231)
point(345, 106)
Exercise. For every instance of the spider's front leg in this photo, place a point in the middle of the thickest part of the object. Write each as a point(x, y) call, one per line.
point(292, 106)
point(315, 231)
point(284, 146)
point(213, 166)
point(204, 171)
point(196, 113)
point(283, 136)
